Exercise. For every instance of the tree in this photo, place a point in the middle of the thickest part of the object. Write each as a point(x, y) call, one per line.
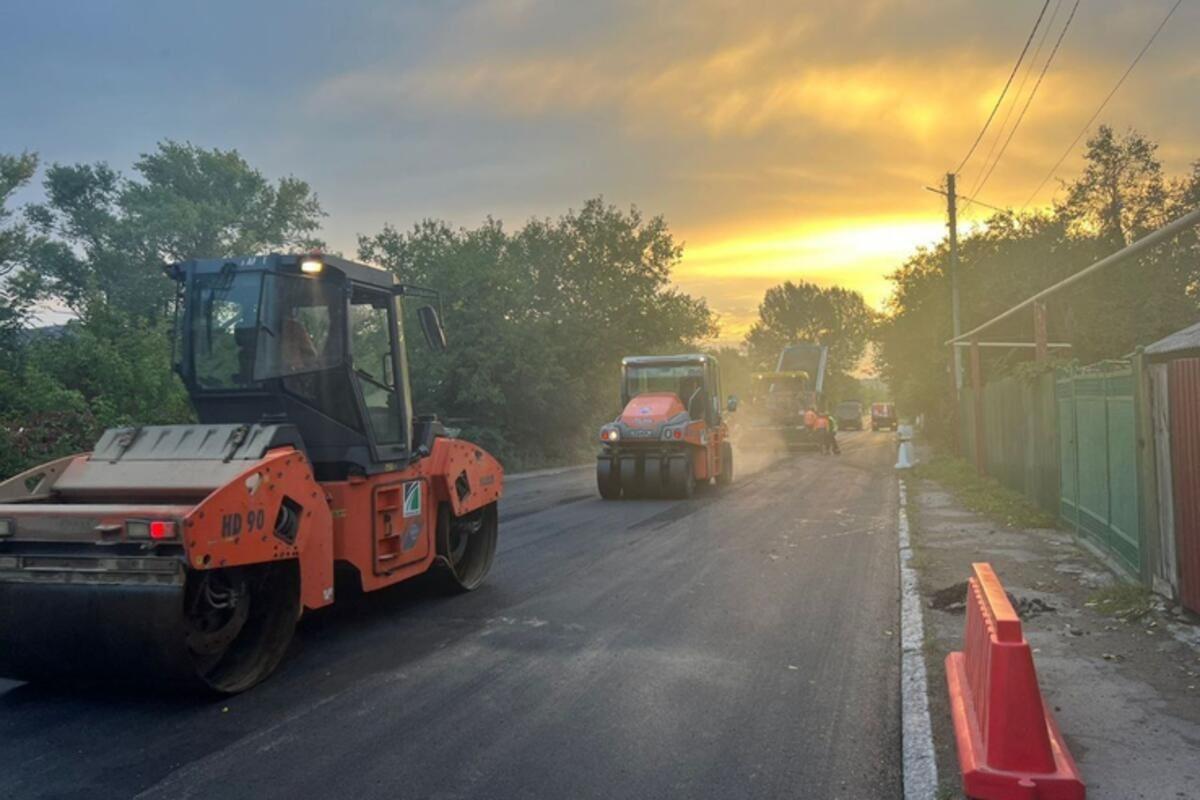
point(98, 244)
point(539, 319)
point(15, 244)
point(69, 384)
point(737, 372)
point(1120, 196)
point(804, 312)
point(107, 236)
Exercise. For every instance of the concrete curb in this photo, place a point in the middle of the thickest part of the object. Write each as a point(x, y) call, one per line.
point(916, 731)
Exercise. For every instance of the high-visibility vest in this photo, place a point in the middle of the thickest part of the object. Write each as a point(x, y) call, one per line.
point(822, 423)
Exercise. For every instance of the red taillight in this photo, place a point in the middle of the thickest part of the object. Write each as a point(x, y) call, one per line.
point(678, 434)
point(162, 529)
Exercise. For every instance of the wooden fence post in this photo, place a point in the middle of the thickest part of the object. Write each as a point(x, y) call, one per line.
point(977, 395)
point(1041, 350)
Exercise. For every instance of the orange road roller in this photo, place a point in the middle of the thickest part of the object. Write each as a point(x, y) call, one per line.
point(184, 554)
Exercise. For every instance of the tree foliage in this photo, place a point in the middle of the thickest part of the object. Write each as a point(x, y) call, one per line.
point(804, 312)
point(96, 245)
point(15, 244)
point(67, 385)
point(106, 237)
point(1120, 196)
point(539, 319)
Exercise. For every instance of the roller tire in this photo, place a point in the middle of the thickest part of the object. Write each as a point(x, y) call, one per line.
point(681, 478)
point(726, 476)
point(654, 476)
point(631, 478)
point(608, 481)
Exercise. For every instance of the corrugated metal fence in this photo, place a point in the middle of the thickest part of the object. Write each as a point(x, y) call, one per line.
point(1185, 472)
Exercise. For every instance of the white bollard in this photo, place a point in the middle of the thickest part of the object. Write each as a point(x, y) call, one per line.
point(905, 458)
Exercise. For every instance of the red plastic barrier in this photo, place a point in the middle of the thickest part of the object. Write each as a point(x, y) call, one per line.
point(1009, 747)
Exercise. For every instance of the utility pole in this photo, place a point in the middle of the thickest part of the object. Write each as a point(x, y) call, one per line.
point(952, 209)
point(1041, 349)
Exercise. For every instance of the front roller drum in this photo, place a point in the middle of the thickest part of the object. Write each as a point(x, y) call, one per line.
point(217, 630)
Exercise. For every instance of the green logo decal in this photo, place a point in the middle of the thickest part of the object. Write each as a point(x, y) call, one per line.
point(412, 499)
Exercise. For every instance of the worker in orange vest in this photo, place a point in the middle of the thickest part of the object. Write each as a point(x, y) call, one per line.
point(821, 431)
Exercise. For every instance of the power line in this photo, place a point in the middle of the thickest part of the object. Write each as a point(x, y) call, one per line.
point(1017, 97)
point(1007, 83)
point(1028, 100)
point(1104, 103)
point(943, 192)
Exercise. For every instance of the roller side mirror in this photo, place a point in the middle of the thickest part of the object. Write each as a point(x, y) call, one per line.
point(431, 327)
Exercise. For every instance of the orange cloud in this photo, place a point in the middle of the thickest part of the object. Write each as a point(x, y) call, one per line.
point(783, 141)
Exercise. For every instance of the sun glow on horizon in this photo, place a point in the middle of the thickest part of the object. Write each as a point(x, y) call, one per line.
point(854, 253)
point(814, 249)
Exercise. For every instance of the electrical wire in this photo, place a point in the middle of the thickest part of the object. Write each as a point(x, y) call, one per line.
point(1004, 91)
point(1030, 65)
point(1104, 103)
point(1028, 101)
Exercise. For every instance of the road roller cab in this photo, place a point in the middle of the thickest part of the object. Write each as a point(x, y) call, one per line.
point(671, 434)
point(185, 553)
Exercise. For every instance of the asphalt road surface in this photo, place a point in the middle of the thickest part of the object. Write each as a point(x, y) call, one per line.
point(740, 645)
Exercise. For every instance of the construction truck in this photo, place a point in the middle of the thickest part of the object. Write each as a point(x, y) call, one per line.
point(671, 434)
point(184, 554)
point(780, 399)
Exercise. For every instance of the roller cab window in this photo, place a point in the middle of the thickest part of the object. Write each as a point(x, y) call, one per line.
point(687, 381)
point(373, 352)
point(249, 327)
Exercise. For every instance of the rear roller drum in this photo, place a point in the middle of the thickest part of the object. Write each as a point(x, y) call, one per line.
point(466, 545)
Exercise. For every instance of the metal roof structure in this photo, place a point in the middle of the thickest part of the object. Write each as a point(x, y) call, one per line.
point(1184, 342)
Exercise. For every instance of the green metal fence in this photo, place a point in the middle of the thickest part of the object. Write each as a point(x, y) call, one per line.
point(1097, 434)
point(1068, 442)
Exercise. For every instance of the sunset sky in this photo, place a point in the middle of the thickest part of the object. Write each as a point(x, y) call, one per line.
point(781, 140)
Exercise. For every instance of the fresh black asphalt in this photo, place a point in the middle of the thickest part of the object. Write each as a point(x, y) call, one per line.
point(740, 645)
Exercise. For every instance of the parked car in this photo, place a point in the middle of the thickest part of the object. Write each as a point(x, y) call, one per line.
point(849, 414)
point(883, 415)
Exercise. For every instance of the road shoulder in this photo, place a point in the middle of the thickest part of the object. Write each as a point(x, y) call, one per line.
point(1120, 671)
